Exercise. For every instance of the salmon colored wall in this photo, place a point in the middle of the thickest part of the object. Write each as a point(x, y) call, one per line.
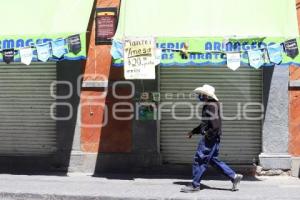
point(294, 118)
point(116, 135)
point(294, 107)
point(98, 64)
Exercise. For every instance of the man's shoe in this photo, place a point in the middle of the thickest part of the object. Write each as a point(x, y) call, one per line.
point(236, 181)
point(189, 189)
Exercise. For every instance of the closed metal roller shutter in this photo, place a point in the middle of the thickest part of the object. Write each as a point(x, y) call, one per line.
point(241, 140)
point(26, 127)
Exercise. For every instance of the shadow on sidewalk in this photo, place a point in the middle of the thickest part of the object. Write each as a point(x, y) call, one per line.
point(202, 186)
point(115, 176)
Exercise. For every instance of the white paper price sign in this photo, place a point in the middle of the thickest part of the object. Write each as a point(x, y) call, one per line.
point(139, 58)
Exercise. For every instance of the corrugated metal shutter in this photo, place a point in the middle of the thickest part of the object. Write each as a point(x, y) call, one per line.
point(26, 127)
point(241, 140)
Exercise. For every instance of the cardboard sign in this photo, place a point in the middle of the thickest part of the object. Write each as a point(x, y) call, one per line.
point(139, 58)
point(106, 23)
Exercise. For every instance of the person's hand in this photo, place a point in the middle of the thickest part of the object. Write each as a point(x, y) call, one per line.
point(189, 134)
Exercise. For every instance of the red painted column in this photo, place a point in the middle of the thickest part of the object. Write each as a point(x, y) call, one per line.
point(92, 105)
point(294, 114)
point(294, 105)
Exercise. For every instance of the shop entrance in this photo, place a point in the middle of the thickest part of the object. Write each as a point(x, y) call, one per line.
point(26, 125)
point(241, 95)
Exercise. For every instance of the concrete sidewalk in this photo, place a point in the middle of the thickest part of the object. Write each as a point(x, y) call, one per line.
point(84, 187)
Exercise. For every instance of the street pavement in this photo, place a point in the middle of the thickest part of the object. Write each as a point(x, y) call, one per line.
point(85, 187)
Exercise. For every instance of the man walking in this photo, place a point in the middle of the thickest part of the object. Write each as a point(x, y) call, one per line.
point(208, 147)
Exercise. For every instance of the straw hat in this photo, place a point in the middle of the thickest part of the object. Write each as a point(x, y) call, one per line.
point(207, 90)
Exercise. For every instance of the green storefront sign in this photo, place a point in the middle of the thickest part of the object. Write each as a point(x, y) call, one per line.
point(17, 42)
point(212, 51)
